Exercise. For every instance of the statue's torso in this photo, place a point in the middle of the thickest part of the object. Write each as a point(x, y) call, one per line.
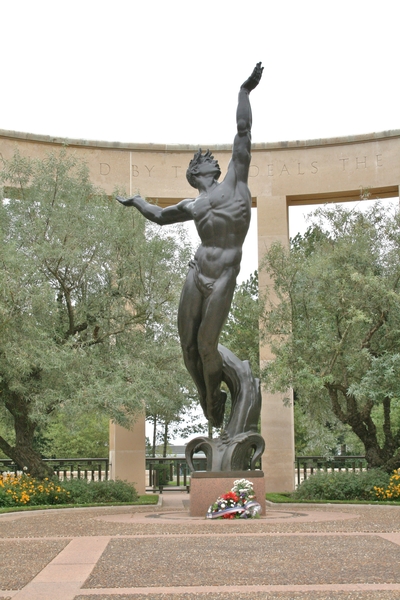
point(222, 218)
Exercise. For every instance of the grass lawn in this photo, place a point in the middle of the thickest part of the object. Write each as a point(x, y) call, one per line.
point(287, 499)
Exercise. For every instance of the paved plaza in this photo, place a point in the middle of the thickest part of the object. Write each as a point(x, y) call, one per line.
point(160, 553)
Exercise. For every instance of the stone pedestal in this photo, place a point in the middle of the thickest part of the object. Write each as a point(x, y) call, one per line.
point(207, 486)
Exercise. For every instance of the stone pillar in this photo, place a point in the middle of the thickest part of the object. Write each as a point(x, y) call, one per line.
point(128, 454)
point(277, 424)
point(277, 429)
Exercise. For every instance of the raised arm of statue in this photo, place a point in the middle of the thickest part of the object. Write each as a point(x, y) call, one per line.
point(242, 142)
point(162, 216)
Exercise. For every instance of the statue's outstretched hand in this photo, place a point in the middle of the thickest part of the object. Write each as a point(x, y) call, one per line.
point(254, 78)
point(127, 201)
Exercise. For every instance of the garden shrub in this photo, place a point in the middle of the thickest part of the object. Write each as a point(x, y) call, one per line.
point(84, 492)
point(342, 485)
point(163, 471)
point(24, 490)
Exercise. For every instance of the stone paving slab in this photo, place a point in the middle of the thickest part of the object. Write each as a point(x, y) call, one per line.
point(141, 520)
point(309, 595)
point(299, 552)
point(264, 561)
point(21, 560)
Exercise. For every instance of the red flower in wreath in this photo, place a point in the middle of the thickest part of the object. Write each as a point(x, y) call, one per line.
point(230, 496)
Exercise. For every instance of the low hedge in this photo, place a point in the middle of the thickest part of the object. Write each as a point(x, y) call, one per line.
point(342, 485)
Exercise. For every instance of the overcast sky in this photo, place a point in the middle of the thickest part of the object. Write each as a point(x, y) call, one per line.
point(169, 72)
point(160, 71)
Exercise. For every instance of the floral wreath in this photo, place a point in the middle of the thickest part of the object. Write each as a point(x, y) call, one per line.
point(239, 503)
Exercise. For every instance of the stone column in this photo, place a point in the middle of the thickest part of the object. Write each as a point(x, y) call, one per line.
point(128, 454)
point(277, 426)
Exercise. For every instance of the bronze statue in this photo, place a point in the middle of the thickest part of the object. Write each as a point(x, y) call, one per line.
point(221, 213)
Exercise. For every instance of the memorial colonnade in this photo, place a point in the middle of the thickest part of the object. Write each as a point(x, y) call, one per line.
point(281, 175)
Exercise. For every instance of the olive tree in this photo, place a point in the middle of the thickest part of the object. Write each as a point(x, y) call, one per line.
point(333, 323)
point(87, 294)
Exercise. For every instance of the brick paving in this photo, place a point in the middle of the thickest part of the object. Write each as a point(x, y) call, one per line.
point(297, 552)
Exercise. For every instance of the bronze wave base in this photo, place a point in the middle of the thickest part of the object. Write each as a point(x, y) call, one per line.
point(240, 446)
point(226, 454)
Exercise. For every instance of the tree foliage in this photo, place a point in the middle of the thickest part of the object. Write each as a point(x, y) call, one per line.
point(322, 437)
point(88, 294)
point(241, 331)
point(167, 414)
point(334, 324)
point(75, 436)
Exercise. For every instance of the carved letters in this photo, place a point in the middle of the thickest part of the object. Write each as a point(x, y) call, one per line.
point(146, 171)
point(149, 170)
point(274, 169)
point(253, 171)
point(282, 169)
point(104, 168)
point(361, 162)
point(136, 172)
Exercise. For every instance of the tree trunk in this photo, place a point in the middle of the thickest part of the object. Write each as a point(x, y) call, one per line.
point(165, 444)
point(30, 461)
point(23, 453)
point(363, 426)
point(365, 429)
point(154, 435)
point(393, 463)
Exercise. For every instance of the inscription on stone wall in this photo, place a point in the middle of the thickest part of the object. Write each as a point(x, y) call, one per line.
point(145, 172)
point(149, 169)
point(361, 162)
point(274, 169)
point(104, 168)
point(176, 171)
point(253, 171)
point(280, 169)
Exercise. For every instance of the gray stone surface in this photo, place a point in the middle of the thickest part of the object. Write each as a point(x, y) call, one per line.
point(334, 595)
point(264, 561)
point(309, 552)
point(21, 560)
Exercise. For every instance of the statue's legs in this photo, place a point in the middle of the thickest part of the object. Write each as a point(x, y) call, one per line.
point(200, 321)
point(189, 319)
point(215, 312)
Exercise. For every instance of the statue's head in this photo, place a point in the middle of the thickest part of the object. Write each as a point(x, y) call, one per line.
point(202, 164)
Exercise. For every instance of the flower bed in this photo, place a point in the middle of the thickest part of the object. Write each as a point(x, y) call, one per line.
point(392, 492)
point(22, 490)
